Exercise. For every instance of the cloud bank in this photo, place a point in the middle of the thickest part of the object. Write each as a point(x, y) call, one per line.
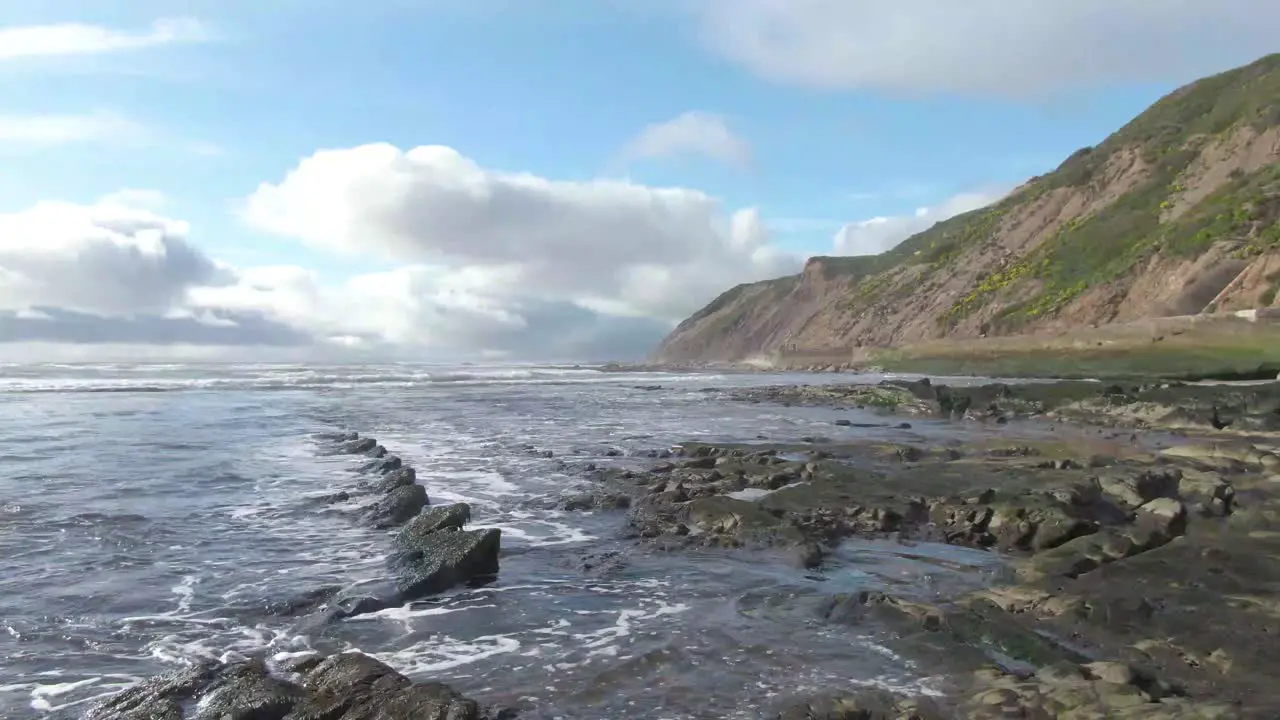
point(985, 47)
point(481, 262)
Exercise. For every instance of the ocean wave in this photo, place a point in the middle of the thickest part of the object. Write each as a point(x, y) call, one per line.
point(102, 380)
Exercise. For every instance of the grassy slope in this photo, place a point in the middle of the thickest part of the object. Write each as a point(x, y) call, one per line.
point(1170, 347)
point(1093, 250)
point(1106, 246)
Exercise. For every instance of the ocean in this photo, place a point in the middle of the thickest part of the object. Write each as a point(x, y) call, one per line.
point(151, 513)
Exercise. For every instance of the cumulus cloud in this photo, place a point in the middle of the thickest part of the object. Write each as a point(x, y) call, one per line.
point(62, 39)
point(691, 133)
point(611, 246)
point(119, 273)
point(106, 257)
point(990, 47)
point(878, 234)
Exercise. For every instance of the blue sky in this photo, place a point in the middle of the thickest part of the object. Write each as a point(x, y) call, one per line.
point(895, 117)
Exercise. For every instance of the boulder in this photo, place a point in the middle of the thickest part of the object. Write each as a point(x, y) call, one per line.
point(425, 564)
point(351, 686)
point(396, 478)
point(431, 555)
point(397, 506)
point(1163, 518)
point(336, 437)
point(431, 520)
point(383, 465)
point(358, 446)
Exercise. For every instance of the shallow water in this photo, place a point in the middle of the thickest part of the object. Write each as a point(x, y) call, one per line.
point(148, 513)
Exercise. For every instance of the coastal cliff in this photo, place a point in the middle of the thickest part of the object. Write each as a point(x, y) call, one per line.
point(1174, 214)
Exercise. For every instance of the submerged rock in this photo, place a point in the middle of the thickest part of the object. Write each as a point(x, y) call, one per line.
point(350, 686)
point(358, 446)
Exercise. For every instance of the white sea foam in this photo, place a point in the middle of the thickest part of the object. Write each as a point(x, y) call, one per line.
point(445, 653)
point(177, 377)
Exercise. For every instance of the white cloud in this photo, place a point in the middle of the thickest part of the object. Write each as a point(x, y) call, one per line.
point(626, 261)
point(637, 250)
point(81, 39)
point(691, 133)
point(986, 46)
point(102, 258)
point(62, 129)
point(878, 234)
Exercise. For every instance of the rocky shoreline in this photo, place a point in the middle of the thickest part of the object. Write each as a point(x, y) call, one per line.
point(430, 553)
point(1139, 522)
point(1144, 579)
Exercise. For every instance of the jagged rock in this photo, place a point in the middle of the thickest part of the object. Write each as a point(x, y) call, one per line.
point(350, 686)
point(1166, 516)
point(358, 446)
point(396, 478)
point(1133, 489)
point(431, 520)
point(337, 437)
point(425, 564)
point(384, 465)
point(397, 506)
point(596, 501)
point(431, 554)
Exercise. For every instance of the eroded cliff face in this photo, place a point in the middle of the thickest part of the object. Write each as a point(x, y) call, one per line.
point(1174, 214)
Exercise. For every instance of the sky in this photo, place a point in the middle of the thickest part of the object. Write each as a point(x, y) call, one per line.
point(520, 179)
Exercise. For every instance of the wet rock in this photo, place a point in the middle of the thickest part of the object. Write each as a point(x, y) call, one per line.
point(1132, 489)
point(399, 477)
point(864, 705)
point(431, 520)
point(337, 437)
point(358, 446)
point(301, 603)
point(596, 501)
point(425, 564)
point(909, 453)
point(1209, 494)
point(807, 556)
point(422, 563)
point(699, 463)
point(397, 506)
point(600, 562)
point(383, 465)
point(1165, 516)
point(334, 498)
point(350, 686)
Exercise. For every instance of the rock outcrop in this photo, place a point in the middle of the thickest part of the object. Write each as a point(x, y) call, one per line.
point(350, 686)
point(431, 553)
